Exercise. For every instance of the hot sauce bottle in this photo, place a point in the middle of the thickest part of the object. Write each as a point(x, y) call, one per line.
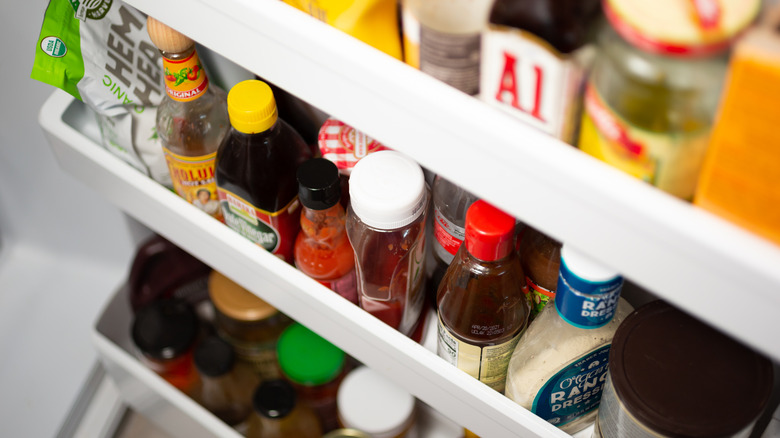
point(192, 119)
point(256, 167)
point(322, 249)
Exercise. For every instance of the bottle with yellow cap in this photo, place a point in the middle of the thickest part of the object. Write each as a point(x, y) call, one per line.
point(192, 119)
point(256, 170)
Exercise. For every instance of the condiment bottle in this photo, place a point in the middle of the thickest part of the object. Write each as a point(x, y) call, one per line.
point(165, 332)
point(368, 402)
point(558, 368)
point(534, 57)
point(442, 39)
point(249, 324)
point(482, 307)
point(315, 367)
point(226, 386)
point(192, 119)
point(256, 166)
point(322, 249)
point(671, 375)
point(653, 93)
point(278, 413)
point(540, 256)
point(386, 226)
point(450, 203)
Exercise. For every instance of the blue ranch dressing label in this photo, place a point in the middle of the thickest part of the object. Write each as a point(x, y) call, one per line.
point(575, 390)
point(586, 304)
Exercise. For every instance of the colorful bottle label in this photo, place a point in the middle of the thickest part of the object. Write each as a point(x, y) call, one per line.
point(487, 364)
point(451, 58)
point(193, 179)
point(448, 236)
point(575, 390)
point(266, 229)
point(670, 161)
point(185, 79)
point(538, 296)
point(346, 286)
point(526, 77)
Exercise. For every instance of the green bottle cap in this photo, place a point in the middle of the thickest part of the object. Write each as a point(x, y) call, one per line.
point(306, 358)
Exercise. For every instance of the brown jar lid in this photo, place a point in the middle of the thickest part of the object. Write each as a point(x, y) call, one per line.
point(235, 301)
point(681, 378)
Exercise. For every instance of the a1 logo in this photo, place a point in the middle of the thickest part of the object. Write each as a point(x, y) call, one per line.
point(53, 47)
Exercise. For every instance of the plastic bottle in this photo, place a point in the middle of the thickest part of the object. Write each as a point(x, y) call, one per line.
point(322, 249)
point(540, 256)
point(278, 414)
point(482, 307)
point(558, 368)
point(256, 166)
point(450, 203)
point(192, 119)
point(386, 226)
point(226, 385)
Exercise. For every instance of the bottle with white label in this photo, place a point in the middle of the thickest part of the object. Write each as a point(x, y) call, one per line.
point(534, 58)
point(559, 367)
point(482, 306)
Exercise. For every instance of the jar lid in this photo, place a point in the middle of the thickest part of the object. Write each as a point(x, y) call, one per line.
point(251, 107)
point(490, 232)
point(165, 329)
point(369, 402)
point(345, 145)
point(387, 190)
point(680, 377)
point(319, 187)
point(236, 302)
point(214, 357)
point(346, 433)
point(306, 358)
point(274, 398)
point(681, 27)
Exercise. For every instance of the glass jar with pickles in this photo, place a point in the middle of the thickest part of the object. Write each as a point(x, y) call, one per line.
point(655, 86)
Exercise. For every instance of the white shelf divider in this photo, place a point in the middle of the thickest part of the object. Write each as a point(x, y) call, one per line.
point(701, 263)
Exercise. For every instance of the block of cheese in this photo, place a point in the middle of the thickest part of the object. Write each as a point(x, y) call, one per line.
point(740, 179)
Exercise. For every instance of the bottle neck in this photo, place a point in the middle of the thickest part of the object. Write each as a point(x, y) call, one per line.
point(185, 78)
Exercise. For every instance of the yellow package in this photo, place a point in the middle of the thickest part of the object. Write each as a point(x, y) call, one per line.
point(374, 22)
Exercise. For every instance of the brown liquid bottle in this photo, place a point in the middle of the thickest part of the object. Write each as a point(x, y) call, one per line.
point(256, 167)
point(532, 63)
point(482, 307)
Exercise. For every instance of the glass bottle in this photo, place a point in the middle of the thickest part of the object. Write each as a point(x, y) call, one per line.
point(540, 256)
point(165, 332)
point(192, 119)
point(249, 324)
point(386, 226)
point(279, 415)
point(322, 249)
point(558, 368)
point(450, 203)
point(482, 307)
point(315, 367)
point(226, 386)
point(651, 99)
point(256, 166)
point(534, 59)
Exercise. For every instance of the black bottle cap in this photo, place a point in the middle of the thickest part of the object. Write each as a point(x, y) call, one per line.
point(165, 329)
point(318, 184)
point(214, 357)
point(274, 398)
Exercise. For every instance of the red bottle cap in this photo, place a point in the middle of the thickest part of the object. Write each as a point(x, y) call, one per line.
point(489, 232)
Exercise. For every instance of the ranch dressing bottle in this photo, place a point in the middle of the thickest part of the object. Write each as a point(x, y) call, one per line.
point(559, 367)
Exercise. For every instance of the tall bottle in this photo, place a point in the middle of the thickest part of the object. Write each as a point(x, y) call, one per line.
point(532, 63)
point(386, 226)
point(256, 166)
point(450, 203)
point(558, 368)
point(192, 119)
point(482, 307)
point(540, 256)
point(322, 249)
point(278, 414)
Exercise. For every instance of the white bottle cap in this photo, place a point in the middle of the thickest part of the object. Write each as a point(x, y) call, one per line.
point(369, 402)
point(387, 190)
point(585, 267)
